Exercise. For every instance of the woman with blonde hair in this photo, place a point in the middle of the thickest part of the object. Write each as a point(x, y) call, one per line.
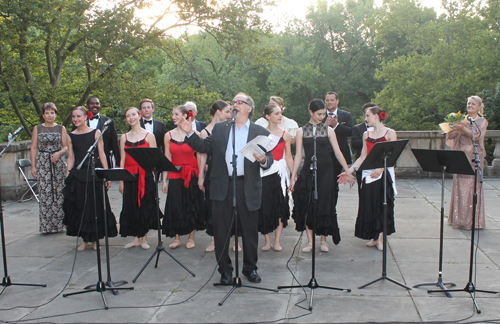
point(460, 138)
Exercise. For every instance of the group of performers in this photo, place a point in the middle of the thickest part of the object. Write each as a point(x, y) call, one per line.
point(199, 196)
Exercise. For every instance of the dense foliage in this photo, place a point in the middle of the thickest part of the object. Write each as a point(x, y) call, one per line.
point(417, 66)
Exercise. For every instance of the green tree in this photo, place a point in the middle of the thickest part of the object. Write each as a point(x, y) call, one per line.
point(65, 50)
point(461, 58)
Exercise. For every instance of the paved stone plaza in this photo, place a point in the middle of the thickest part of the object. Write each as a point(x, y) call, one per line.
point(168, 294)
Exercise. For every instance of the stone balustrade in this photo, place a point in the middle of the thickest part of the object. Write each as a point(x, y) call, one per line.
point(13, 185)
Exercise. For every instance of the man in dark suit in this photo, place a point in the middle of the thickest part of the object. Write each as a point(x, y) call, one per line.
point(156, 127)
point(341, 121)
point(110, 138)
point(198, 125)
point(248, 185)
point(357, 138)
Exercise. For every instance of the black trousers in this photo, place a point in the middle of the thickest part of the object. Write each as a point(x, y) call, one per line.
point(248, 222)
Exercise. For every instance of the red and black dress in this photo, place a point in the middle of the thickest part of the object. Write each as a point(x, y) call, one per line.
point(138, 214)
point(369, 223)
point(183, 208)
point(275, 183)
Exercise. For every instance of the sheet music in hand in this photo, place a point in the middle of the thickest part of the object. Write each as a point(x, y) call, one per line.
point(253, 147)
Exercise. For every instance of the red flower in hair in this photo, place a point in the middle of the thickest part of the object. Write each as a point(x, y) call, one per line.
point(383, 115)
point(90, 115)
point(190, 114)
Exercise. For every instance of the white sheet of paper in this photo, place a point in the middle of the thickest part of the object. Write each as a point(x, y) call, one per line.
point(252, 147)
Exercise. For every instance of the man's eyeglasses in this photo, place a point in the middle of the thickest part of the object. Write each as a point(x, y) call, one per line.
point(239, 102)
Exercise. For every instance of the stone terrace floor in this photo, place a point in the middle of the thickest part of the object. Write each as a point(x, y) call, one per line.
point(168, 294)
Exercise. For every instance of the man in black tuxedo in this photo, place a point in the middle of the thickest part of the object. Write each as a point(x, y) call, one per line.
point(357, 138)
point(248, 185)
point(198, 125)
point(341, 121)
point(156, 127)
point(110, 138)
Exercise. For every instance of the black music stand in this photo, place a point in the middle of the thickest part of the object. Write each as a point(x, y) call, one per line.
point(444, 161)
point(151, 159)
point(6, 282)
point(111, 175)
point(100, 286)
point(384, 155)
point(470, 287)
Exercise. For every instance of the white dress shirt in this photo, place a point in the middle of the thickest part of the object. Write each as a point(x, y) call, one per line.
point(241, 137)
point(148, 126)
point(94, 122)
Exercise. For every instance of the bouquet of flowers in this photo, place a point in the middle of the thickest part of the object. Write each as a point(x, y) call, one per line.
point(450, 119)
point(454, 118)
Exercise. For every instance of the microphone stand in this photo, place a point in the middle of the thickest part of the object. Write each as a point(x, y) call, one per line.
point(313, 283)
point(100, 286)
point(469, 287)
point(6, 281)
point(236, 280)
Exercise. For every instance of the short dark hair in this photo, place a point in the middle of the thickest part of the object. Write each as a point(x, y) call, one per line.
point(93, 97)
point(316, 104)
point(49, 106)
point(146, 100)
point(332, 93)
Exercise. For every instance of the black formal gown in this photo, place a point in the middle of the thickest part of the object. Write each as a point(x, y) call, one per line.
point(82, 199)
point(326, 217)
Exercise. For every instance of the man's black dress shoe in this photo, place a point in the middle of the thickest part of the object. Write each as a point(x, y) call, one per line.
point(252, 276)
point(226, 278)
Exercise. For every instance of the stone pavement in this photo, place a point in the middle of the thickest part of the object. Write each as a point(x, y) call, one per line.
point(168, 294)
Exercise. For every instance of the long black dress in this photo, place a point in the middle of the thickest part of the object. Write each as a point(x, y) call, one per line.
point(326, 219)
point(79, 197)
point(138, 213)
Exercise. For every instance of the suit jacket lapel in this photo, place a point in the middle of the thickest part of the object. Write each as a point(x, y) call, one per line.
point(100, 123)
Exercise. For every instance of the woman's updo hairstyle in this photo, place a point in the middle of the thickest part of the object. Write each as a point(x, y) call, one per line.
point(183, 109)
point(129, 108)
point(316, 104)
point(376, 110)
point(268, 109)
point(218, 105)
point(480, 102)
point(81, 108)
point(278, 100)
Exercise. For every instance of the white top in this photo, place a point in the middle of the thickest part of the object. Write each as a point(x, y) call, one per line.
point(287, 124)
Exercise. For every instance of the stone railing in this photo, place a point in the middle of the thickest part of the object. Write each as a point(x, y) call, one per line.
point(13, 184)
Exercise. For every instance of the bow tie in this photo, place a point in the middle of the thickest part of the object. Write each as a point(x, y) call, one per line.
point(95, 117)
point(148, 121)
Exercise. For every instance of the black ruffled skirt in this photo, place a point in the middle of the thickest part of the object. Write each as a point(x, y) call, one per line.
point(183, 208)
point(135, 220)
point(369, 223)
point(274, 206)
point(79, 209)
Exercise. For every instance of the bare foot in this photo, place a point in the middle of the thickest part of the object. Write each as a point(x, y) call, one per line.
point(324, 247)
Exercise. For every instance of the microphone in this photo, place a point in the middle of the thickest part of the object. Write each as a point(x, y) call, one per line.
point(234, 113)
point(470, 119)
point(107, 122)
point(314, 130)
point(18, 131)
